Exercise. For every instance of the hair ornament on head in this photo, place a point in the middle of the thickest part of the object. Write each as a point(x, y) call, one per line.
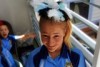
point(63, 7)
point(56, 14)
point(51, 9)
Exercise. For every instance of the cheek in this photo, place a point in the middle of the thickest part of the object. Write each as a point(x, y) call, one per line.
point(44, 41)
point(7, 31)
point(59, 41)
point(1, 32)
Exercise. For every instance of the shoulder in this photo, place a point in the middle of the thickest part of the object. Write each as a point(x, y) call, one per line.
point(30, 62)
point(35, 51)
point(78, 59)
point(77, 51)
point(11, 37)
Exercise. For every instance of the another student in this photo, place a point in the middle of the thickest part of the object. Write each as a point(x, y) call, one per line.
point(7, 37)
point(55, 27)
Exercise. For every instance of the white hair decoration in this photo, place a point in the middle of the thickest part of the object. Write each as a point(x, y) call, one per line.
point(57, 15)
point(57, 10)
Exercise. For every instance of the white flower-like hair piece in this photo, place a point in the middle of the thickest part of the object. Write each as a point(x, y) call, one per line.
point(56, 14)
point(57, 10)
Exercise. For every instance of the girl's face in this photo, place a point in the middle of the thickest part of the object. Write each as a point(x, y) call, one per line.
point(52, 35)
point(4, 31)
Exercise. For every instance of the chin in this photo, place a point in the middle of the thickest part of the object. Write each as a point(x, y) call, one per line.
point(4, 36)
point(51, 51)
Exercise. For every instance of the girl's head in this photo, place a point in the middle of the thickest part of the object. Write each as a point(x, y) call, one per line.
point(54, 33)
point(4, 29)
point(55, 25)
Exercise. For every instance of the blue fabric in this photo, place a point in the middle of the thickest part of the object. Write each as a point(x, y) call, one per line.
point(29, 61)
point(6, 55)
point(6, 42)
point(82, 59)
point(59, 61)
point(1, 62)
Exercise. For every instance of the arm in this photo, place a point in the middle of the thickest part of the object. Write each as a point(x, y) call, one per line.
point(24, 36)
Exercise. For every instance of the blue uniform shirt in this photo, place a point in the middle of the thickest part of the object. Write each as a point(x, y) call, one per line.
point(6, 42)
point(59, 61)
point(1, 62)
point(6, 59)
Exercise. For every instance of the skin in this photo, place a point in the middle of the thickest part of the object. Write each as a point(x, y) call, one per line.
point(4, 31)
point(52, 35)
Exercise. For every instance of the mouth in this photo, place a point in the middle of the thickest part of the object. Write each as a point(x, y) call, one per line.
point(50, 47)
point(4, 35)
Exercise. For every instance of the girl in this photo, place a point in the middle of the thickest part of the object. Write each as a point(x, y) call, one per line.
point(7, 37)
point(55, 27)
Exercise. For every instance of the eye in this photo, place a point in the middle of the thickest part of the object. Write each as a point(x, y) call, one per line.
point(56, 36)
point(45, 36)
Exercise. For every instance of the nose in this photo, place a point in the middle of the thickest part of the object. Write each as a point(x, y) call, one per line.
point(50, 42)
point(4, 31)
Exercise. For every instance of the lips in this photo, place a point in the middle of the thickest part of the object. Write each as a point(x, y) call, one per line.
point(51, 47)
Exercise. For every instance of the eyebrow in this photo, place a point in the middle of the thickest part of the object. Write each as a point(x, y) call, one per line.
point(46, 33)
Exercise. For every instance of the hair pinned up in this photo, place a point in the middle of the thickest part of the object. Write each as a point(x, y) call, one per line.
point(55, 10)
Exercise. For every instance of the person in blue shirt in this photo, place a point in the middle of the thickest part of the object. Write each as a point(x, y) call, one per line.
point(55, 28)
point(8, 38)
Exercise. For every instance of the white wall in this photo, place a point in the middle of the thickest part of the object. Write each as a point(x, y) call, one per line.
point(94, 12)
point(17, 13)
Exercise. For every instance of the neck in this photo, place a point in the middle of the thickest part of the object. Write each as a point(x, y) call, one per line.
point(54, 54)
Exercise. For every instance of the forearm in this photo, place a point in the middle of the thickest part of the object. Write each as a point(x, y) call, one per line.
point(25, 36)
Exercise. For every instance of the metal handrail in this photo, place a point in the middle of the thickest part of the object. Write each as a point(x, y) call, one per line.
point(90, 42)
point(85, 21)
point(88, 64)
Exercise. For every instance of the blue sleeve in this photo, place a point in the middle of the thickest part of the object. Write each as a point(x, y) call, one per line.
point(29, 61)
point(82, 58)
